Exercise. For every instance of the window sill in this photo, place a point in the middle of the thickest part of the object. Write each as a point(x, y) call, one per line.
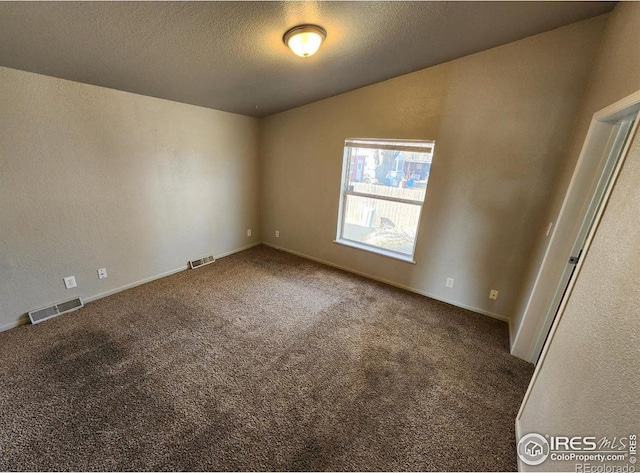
point(377, 251)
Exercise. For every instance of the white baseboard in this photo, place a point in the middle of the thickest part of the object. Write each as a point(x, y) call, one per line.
point(237, 250)
point(133, 284)
point(391, 283)
point(520, 466)
point(160, 276)
point(24, 319)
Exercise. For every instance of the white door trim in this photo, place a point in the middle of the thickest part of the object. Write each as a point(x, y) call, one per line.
point(618, 139)
point(613, 113)
point(532, 322)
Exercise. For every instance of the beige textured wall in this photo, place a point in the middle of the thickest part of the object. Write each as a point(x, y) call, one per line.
point(92, 177)
point(588, 383)
point(501, 120)
point(616, 74)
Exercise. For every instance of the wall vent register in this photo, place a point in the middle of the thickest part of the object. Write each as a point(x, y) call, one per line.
point(196, 263)
point(45, 313)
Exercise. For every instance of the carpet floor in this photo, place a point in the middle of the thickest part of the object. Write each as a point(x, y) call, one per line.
point(261, 361)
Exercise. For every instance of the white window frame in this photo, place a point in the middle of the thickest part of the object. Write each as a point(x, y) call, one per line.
point(376, 143)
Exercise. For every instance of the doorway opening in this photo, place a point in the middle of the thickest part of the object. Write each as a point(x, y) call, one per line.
point(603, 152)
point(620, 133)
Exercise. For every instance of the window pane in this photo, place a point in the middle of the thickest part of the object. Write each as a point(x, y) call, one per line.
point(388, 172)
point(380, 223)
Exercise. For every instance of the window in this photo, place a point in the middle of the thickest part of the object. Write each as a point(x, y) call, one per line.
point(384, 183)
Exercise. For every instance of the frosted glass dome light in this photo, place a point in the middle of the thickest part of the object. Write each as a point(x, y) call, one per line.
point(305, 40)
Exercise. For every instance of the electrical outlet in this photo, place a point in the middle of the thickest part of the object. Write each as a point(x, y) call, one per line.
point(102, 273)
point(70, 282)
point(449, 282)
point(277, 233)
point(249, 232)
point(493, 295)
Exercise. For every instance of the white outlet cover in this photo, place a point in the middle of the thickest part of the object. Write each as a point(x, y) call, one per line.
point(70, 282)
point(277, 233)
point(249, 232)
point(449, 282)
point(102, 273)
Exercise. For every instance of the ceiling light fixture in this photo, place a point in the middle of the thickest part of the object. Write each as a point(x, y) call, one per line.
point(305, 40)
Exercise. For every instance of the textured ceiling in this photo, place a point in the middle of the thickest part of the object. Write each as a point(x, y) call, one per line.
point(230, 56)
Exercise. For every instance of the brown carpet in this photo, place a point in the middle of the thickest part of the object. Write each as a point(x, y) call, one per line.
point(260, 361)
